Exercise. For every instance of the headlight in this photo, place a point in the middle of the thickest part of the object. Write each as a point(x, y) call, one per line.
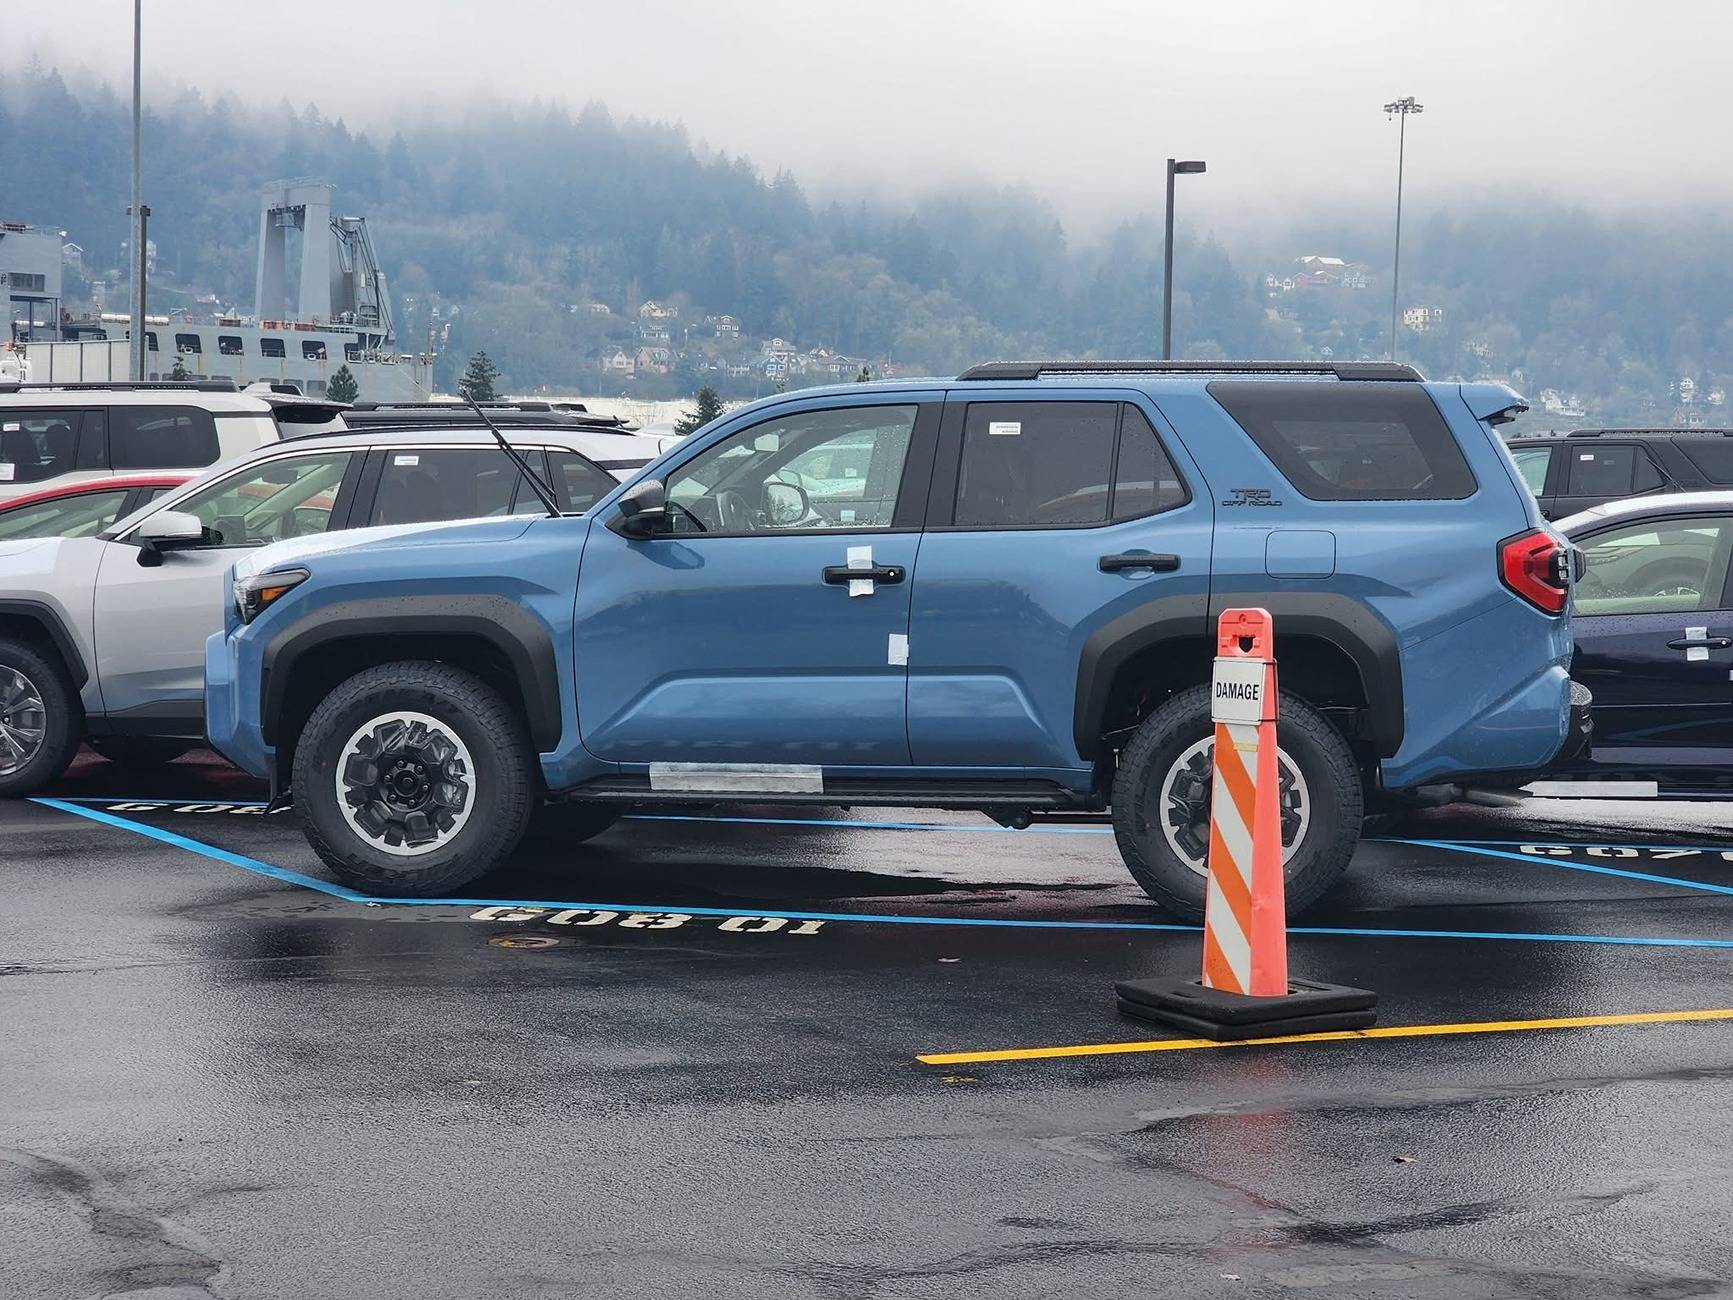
point(253, 594)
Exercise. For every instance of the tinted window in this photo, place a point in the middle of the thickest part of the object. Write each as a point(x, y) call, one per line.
point(38, 445)
point(1532, 463)
point(312, 350)
point(271, 348)
point(287, 497)
point(1036, 463)
point(1713, 457)
point(1337, 441)
point(419, 487)
point(1655, 567)
point(83, 515)
point(187, 343)
point(161, 437)
point(578, 484)
point(229, 345)
point(1144, 479)
point(1601, 471)
point(816, 469)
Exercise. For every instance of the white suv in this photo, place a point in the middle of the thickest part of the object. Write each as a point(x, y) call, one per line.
point(54, 434)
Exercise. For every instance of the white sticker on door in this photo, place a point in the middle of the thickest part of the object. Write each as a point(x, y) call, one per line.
point(1004, 428)
point(7, 471)
point(899, 650)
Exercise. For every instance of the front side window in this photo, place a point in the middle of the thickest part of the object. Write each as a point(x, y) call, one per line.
point(161, 437)
point(431, 486)
point(838, 469)
point(1351, 441)
point(38, 445)
point(84, 515)
point(1532, 464)
point(1656, 567)
point(578, 483)
point(288, 497)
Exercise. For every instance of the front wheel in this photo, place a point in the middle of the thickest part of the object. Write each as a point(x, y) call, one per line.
point(1161, 802)
point(40, 719)
point(413, 779)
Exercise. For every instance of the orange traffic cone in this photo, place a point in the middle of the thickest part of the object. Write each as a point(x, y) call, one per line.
point(1245, 991)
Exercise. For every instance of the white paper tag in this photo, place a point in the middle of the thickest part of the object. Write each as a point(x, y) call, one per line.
point(1587, 455)
point(860, 586)
point(899, 649)
point(7, 471)
point(1696, 653)
point(406, 460)
point(860, 557)
point(1004, 428)
point(846, 515)
point(11, 426)
point(1237, 691)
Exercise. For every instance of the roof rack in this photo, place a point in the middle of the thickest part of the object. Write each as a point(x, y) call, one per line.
point(1011, 370)
point(126, 385)
point(1644, 433)
point(456, 404)
point(391, 415)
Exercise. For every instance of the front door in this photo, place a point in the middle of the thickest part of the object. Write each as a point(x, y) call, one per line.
point(152, 620)
point(1654, 641)
point(1051, 517)
point(769, 624)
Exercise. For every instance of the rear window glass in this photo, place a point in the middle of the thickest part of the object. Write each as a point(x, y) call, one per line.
point(161, 437)
point(1617, 471)
point(1713, 457)
point(1346, 441)
point(38, 445)
point(1028, 464)
point(430, 486)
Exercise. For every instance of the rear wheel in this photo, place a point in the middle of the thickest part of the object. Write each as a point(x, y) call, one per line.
point(1161, 802)
point(413, 779)
point(40, 719)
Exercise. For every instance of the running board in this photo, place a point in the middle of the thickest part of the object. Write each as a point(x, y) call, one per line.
point(959, 796)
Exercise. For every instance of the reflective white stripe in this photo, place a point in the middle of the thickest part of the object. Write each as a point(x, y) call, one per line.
point(1245, 738)
point(1235, 834)
point(1225, 926)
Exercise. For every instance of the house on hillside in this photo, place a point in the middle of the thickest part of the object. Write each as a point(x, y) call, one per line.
point(726, 327)
point(1421, 319)
point(652, 310)
point(654, 361)
point(617, 363)
point(652, 335)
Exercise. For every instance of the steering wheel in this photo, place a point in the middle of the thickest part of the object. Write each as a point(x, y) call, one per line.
point(736, 515)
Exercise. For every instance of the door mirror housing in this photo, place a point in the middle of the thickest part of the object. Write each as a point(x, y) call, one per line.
point(167, 530)
point(642, 510)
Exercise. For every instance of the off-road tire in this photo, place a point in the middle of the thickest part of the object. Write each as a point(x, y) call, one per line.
point(63, 720)
point(502, 784)
point(555, 825)
point(1317, 749)
point(140, 751)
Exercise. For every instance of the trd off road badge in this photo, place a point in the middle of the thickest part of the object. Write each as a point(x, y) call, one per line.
point(1251, 497)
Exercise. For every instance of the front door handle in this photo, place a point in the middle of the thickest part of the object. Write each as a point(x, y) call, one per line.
point(841, 575)
point(1138, 560)
point(1701, 643)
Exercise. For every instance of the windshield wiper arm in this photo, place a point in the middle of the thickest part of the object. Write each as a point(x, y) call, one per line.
point(543, 492)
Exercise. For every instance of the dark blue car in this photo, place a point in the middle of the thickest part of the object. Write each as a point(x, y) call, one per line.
point(1654, 638)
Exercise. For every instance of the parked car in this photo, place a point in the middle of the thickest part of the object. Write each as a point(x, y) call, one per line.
point(81, 509)
point(512, 412)
point(1589, 467)
point(103, 636)
point(1007, 607)
point(56, 435)
point(1654, 638)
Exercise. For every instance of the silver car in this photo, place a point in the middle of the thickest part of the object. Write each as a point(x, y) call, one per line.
point(102, 638)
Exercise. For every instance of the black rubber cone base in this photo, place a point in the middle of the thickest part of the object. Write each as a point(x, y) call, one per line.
point(1309, 1008)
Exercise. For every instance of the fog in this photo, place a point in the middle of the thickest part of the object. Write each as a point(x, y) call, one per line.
point(1607, 105)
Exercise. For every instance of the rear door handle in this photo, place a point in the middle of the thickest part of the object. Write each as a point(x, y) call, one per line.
point(841, 575)
point(1702, 643)
point(1138, 560)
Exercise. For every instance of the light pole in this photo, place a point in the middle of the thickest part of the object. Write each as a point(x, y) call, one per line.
point(1173, 169)
point(135, 333)
point(1399, 108)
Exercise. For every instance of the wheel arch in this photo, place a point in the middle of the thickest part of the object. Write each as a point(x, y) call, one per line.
point(40, 622)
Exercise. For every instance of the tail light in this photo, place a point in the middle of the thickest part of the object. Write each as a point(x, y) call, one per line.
point(1537, 567)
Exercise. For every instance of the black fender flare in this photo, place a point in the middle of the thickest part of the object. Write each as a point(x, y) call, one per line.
point(1366, 640)
point(45, 617)
point(504, 624)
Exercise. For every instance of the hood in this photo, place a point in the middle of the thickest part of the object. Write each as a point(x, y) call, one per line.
point(24, 544)
point(463, 532)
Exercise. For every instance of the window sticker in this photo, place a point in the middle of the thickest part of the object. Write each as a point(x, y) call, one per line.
point(1004, 428)
point(406, 460)
point(8, 471)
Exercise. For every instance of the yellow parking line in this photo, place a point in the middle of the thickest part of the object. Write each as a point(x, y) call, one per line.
point(1390, 1031)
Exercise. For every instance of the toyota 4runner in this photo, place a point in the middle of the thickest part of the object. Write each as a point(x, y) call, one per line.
point(994, 593)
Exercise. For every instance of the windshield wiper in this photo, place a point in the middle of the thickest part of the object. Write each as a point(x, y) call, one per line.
point(543, 492)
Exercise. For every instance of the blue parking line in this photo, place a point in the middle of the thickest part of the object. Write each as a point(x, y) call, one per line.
point(1566, 865)
point(246, 863)
point(1587, 844)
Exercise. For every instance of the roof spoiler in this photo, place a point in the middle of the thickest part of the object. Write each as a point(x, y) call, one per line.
point(1494, 404)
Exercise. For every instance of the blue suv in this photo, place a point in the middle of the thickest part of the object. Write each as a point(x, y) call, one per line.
point(993, 593)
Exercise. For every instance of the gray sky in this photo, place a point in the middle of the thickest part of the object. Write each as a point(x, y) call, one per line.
point(1607, 104)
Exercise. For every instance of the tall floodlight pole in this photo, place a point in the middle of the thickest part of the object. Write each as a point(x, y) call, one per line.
point(135, 335)
point(1400, 109)
point(1173, 169)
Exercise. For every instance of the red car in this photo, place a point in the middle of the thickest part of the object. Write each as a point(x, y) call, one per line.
point(81, 509)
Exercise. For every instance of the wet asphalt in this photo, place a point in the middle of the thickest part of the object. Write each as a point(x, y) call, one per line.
point(683, 1061)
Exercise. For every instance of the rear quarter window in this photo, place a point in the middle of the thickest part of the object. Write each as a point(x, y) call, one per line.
point(1713, 457)
point(1347, 441)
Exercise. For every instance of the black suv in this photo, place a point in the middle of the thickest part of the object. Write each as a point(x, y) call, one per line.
point(1589, 467)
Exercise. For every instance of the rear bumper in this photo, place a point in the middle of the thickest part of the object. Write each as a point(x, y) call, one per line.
point(1580, 738)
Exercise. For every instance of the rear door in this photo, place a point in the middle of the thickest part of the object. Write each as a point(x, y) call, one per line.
point(50, 446)
point(1050, 517)
point(1654, 639)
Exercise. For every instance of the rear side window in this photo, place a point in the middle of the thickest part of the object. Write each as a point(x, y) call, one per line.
point(578, 484)
point(420, 487)
point(1713, 457)
point(1058, 464)
point(1616, 471)
point(38, 445)
point(1345, 441)
point(161, 437)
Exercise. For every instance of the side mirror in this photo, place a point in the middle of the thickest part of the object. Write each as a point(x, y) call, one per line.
point(167, 530)
point(642, 510)
point(785, 504)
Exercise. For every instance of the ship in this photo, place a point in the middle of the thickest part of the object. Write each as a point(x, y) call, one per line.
point(340, 315)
